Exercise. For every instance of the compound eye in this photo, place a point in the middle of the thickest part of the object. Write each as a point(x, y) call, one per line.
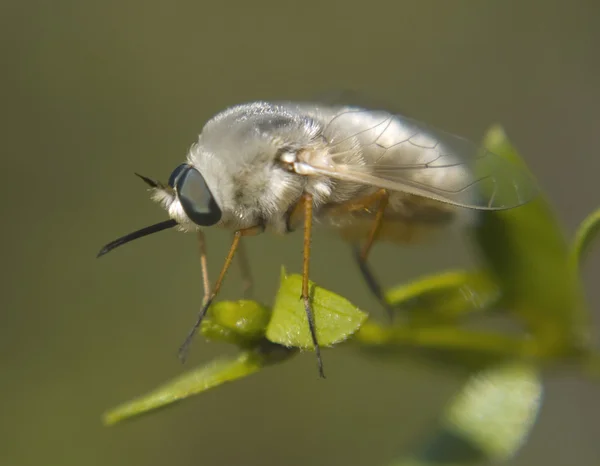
point(176, 173)
point(196, 199)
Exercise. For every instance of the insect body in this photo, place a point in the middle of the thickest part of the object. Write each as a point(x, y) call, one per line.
point(367, 174)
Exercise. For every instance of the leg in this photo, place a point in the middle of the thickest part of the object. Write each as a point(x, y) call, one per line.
point(246, 273)
point(361, 254)
point(204, 267)
point(183, 349)
point(371, 280)
point(308, 213)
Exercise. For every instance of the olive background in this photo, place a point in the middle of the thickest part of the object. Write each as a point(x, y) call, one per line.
point(93, 91)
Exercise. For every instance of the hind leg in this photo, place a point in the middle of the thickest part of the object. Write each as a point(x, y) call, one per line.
point(371, 280)
point(361, 254)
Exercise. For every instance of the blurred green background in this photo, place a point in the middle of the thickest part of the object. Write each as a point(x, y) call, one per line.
point(93, 91)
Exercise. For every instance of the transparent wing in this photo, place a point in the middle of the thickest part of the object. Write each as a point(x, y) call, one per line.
point(401, 154)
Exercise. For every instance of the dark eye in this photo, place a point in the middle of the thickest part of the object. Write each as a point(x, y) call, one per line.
point(176, 173)
point(196, 199)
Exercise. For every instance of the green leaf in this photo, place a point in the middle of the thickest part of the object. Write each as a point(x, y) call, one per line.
point(336, 318)
point(194, 382)
point(497, 409)
point(200, 380)
point(239, 322)
point(445, 297)
point(586, 233)
point(527, 252)
point(527, 276)
point(487, 422)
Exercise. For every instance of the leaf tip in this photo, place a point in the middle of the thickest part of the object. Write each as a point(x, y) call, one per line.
point(495, 136)
point(110, 418)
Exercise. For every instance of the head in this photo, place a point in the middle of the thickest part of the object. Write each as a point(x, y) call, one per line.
point(230, 177)
point(187, 199)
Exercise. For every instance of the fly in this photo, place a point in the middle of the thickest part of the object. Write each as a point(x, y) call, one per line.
point(367, 174)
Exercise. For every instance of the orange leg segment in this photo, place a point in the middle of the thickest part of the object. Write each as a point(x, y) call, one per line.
point(307, 201)
point(361, 254)
point(184, 348)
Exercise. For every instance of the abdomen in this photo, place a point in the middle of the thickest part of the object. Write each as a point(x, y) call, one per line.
point(407, 219)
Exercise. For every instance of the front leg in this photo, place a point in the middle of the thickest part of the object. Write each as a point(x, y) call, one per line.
point(184, 348)
point(307, 207)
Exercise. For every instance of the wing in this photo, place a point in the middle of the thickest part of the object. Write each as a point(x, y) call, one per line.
point(402, 154)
